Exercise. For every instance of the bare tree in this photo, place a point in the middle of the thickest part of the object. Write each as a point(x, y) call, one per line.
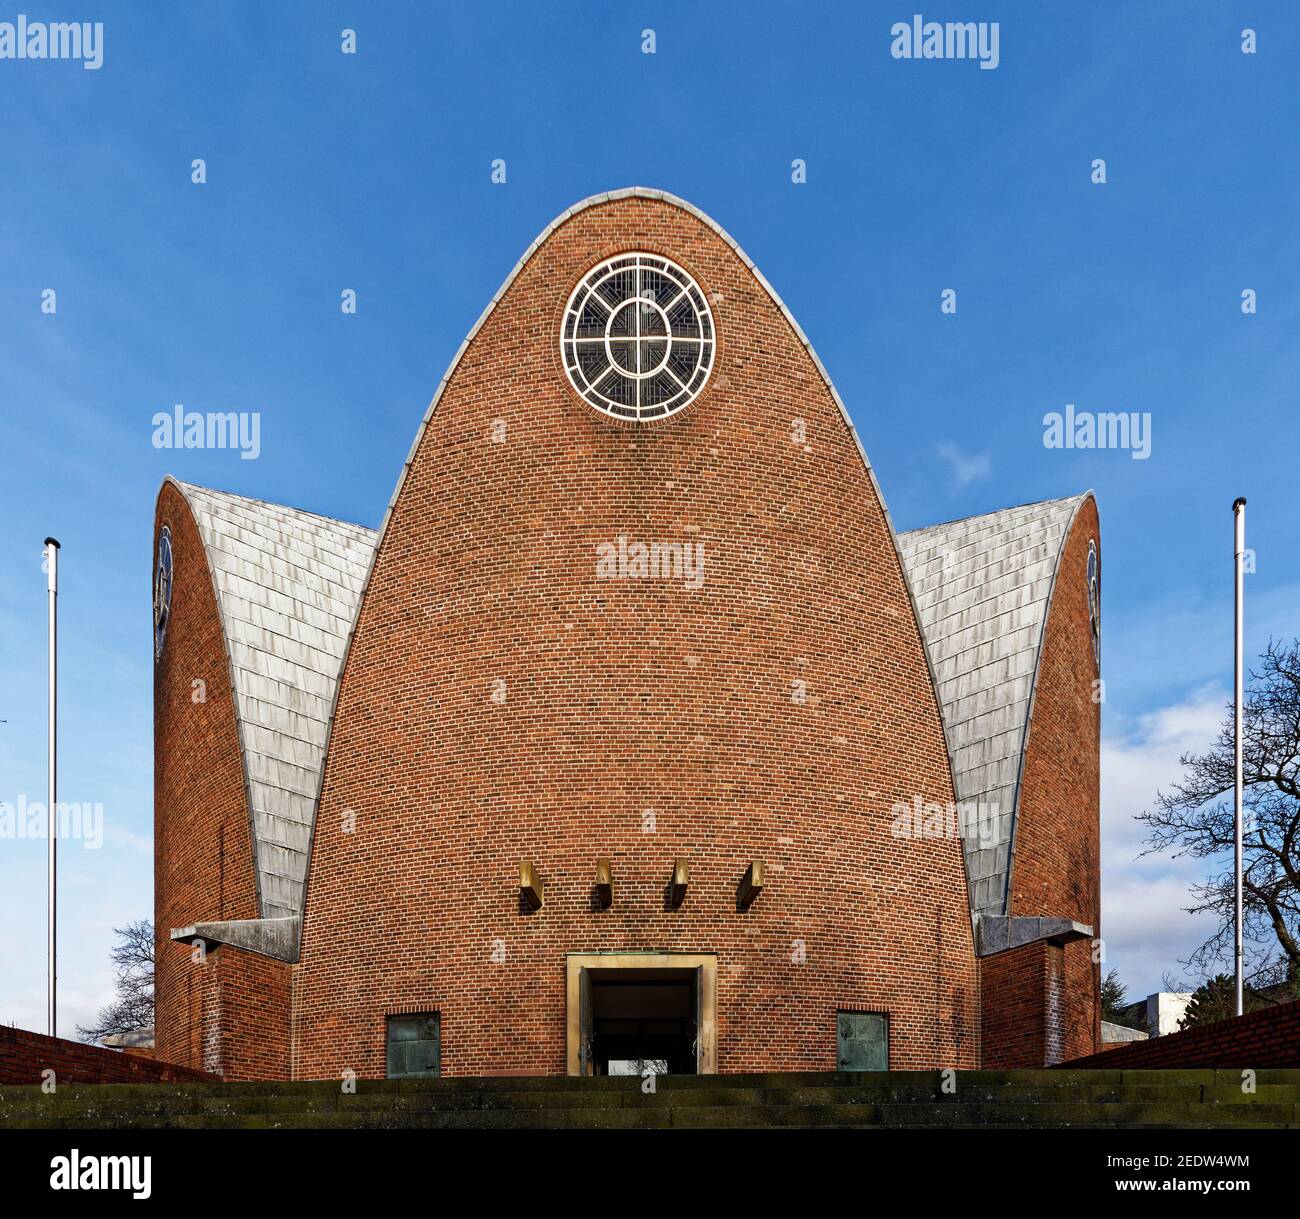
point(133, 962)
point(1196, 819)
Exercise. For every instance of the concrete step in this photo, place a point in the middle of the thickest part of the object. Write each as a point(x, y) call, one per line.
point(165, 1100)
point(1055, 1078)
point(999, 1098)
point(162, 1099)
point(700, 1117)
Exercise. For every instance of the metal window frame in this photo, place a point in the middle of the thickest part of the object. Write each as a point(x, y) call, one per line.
point(163, 620)
point(595, 386)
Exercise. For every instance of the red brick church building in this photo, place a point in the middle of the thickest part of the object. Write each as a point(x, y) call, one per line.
point(636, 737)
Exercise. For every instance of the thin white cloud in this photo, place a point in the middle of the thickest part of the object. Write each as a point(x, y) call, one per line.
point(966, 467)
point(1143, 906)
point(77, 1006)
point(141, 844)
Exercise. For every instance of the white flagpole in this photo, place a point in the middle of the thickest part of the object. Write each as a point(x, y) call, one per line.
point(1239, 549)
point(51, 811)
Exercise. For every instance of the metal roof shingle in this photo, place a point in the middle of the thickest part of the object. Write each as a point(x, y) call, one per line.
point(287, 585)
point(982, 586)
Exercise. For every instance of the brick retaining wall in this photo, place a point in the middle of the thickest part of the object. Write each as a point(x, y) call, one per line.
point(24, 1055)
point(1269, 1038)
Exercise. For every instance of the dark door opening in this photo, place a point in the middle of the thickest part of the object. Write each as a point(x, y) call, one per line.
point(642, 1020)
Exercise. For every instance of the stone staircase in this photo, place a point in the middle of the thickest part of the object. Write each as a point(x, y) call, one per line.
point(1008, 1099)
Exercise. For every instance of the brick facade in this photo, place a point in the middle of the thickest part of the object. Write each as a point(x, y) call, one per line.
point(1042, 1003)
point(1023, 1010)
point(1258, 1040)
point(500, 703)
point(628, 696)
point(203, 866)
point(1056, 869)
point(24, 1056)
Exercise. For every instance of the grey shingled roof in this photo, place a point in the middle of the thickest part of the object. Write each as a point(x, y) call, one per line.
point(287, 585)
point(982, 586)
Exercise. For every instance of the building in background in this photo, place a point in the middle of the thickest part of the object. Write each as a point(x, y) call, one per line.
point(138, 1043)
point(635, 738)
point(1157, 1014)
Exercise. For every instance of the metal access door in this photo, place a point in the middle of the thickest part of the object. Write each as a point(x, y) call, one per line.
point(862, 1041)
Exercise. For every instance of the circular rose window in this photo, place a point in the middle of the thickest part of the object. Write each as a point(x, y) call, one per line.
point(162, 590)
point(1094, 600)
point(637, 337)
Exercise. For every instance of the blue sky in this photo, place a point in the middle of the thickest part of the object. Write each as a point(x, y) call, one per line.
point(372, 171)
